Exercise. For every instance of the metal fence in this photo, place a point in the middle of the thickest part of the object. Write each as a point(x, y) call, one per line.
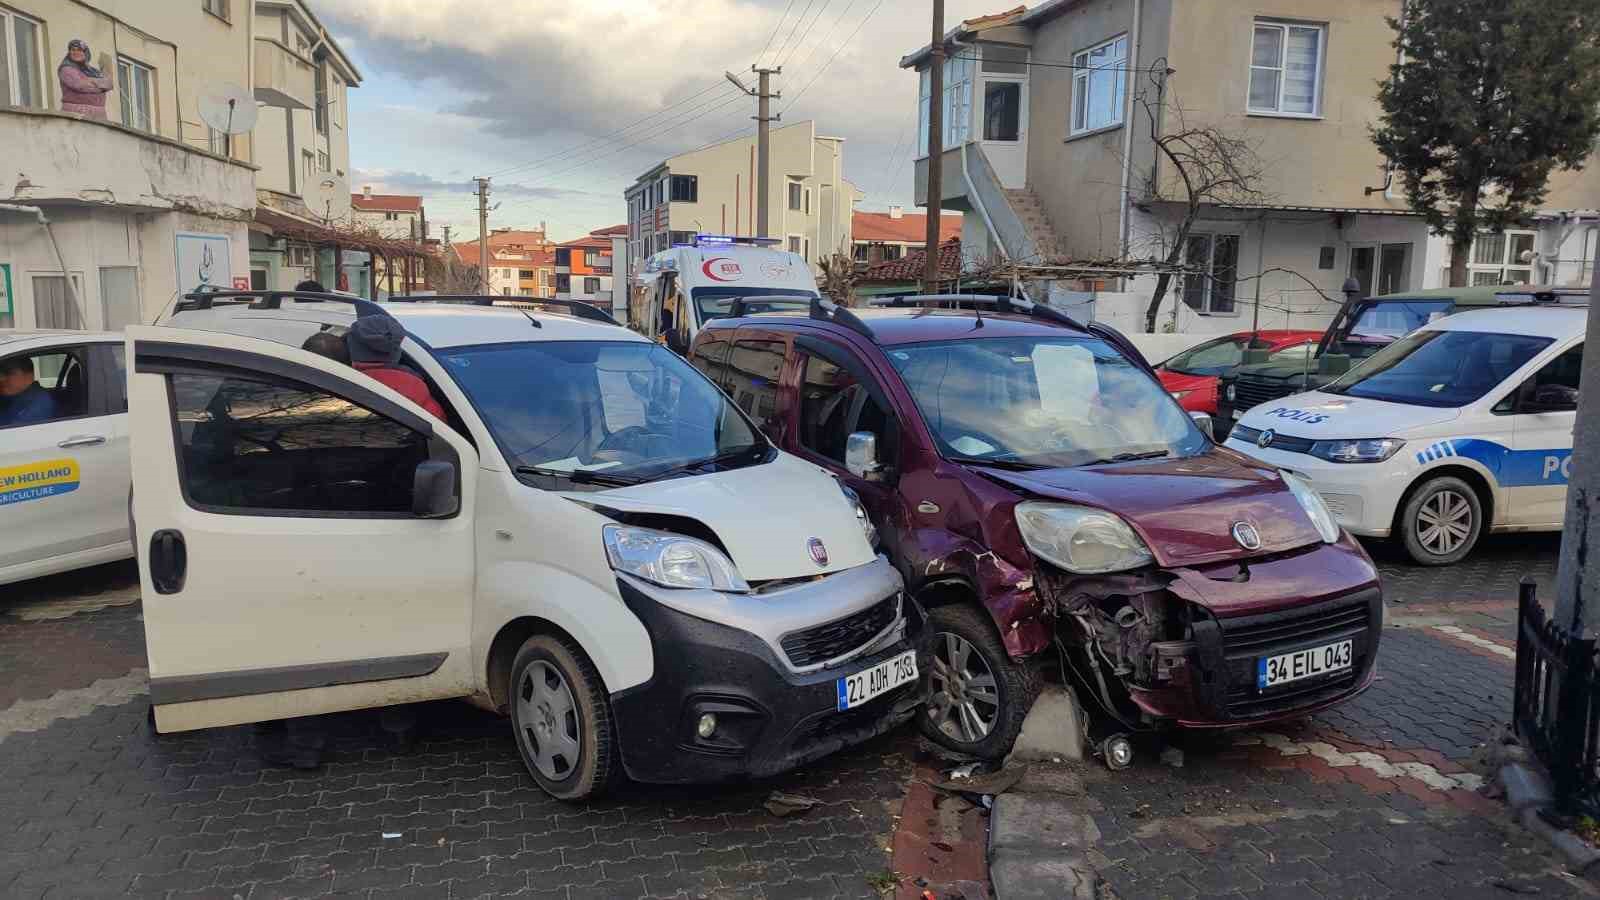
point(1556, 707)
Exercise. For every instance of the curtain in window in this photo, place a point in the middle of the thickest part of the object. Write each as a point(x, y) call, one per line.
point(52, 305)
point(119, 297)
point(29, 90)
point(1265, 54)
point(1300, 70)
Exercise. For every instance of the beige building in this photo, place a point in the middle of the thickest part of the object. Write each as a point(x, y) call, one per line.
point(398, 217)
point(1051, 123)
point(712, 191)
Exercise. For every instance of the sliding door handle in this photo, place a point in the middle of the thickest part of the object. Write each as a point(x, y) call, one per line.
point(82, 440)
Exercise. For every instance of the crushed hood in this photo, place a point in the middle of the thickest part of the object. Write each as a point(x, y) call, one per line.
point(764, 515)
point(1184, 509)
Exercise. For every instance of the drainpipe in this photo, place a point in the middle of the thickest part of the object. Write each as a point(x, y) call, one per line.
point(61, 261)
point(1127, 135)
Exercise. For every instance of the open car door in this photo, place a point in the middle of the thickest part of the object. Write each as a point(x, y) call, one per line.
point(305, 534)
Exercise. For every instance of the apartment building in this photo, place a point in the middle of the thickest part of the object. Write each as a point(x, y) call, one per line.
point(1052, 117)
point(713, 190)
point(521, 262)
point(887, 236)
point(103, 221)
point(397, 217)
point(584, 269)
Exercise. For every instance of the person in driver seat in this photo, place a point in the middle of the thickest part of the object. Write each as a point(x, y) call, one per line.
point(22, 399)
point(374, 343)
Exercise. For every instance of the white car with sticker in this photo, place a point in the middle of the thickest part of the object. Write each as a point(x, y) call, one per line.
point(1460, 427)
point(64, 469)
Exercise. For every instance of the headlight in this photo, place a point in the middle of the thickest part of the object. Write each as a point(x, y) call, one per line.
point(1231, 393)
point(1316, 510)
point(1362, 450)
point(1179, 395)
point(671, 560)
point(1081, 540)
point(868, 530)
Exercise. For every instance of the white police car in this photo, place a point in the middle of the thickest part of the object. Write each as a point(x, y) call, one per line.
point(1460, 426)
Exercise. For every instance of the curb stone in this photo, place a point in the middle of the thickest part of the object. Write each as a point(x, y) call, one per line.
point(1037, 846)
point(1528, 794)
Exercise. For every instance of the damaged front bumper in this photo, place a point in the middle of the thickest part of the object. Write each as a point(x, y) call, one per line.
point(1185, 646)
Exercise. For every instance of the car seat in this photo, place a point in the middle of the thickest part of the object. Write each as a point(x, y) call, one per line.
point(71, 391)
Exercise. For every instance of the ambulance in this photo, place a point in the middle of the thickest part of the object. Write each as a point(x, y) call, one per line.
point(683, 287)
point(1461, 427)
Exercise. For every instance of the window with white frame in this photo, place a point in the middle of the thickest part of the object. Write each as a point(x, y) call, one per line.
point(958, 98)
point(795, 195)
point(1099, 80)
point(1004, 70)
point(218, 8)
point(1497, 258)
point(1213, 264)
point(21, 61)
point(134, 93)
point(794, 243)
point(324, 164)
point(925, 90)
point(1286, 61)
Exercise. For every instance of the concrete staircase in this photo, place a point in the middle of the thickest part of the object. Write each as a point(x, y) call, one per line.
point(1041, 234)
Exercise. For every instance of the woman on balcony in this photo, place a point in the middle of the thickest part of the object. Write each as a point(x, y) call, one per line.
point(83, 87)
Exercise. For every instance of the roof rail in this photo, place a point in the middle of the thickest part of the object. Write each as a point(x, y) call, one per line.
point(207, 299)
point(1543, 297)
point(577, 308)
point(828, 311)
point(1000, 303)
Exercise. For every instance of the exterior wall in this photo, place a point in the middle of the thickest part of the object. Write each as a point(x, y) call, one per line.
point(286, 135)
point(404, 226)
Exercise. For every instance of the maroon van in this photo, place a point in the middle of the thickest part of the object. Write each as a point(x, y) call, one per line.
point(1046, 500)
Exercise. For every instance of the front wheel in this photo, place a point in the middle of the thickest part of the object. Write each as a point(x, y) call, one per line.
point(979, 695)
point(561, 719)
point(1441, 522)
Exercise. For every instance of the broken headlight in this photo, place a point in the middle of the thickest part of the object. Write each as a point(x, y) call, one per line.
point(1079, 539)
point(1316, 510)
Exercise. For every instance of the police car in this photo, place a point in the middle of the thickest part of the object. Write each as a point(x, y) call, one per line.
point(63, 478)
point(1460, 427)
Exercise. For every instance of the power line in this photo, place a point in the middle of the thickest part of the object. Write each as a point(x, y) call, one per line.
point(795, 27)
point(836, 51)
point(775, 29)
point(806, 34)
point(836, 23)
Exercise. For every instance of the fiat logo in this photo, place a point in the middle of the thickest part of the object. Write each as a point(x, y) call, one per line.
point(1266, 438)
point(819, 553)
point(1246, 535)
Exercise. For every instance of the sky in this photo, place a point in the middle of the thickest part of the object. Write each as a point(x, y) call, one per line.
point(564, 104)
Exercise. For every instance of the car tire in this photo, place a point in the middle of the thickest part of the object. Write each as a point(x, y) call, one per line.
point(1434, 518)
point(973, 718)
point(561, 719)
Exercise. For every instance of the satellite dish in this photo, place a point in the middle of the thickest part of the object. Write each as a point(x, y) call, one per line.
point(228, 108)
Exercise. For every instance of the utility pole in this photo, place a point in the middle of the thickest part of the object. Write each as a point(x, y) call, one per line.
point(483, 234)
point(764, 119)
point(930, 270)
point(1578, 577)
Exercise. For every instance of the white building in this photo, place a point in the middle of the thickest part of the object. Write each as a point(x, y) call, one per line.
point(712, 190)
point(398, 217)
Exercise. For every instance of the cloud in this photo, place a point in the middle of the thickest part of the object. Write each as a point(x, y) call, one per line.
point(385, 181)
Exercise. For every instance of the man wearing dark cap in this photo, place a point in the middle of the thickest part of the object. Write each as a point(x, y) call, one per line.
point(374, 343)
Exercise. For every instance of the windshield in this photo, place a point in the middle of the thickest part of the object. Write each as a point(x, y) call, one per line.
point(1210, 358)
point(1044, 402)
point(715, 302)
point(626, 411)
point(1439, 368)
point(1382, 322)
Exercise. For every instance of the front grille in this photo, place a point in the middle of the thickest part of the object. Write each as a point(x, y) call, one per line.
point(836, 638)
point(1250, 391)
point(1284, 442)
point(1249, 638)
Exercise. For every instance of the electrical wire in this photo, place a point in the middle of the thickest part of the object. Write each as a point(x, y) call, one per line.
point(804, 35)
point(775, 29)
point(836, 51)
point(794, 28)
point(829, 37)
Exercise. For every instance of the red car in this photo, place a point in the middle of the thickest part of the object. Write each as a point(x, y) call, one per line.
point(1191, 377)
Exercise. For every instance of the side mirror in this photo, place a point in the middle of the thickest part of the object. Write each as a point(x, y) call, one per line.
point(861, 455)
point(1554, 398)
point(1334, 364)
point(433, 490)
point(1203, 422)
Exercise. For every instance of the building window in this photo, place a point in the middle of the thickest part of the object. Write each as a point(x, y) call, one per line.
point(1381, 268)
point(21, 64)
point(563, 283)
point(1497, 259)
point(957, 101)
point(591, 286)
point(794, 243)
point(686, 238)
point(685, 188)
point(1213, 263)
point(1286, 68)
point(333, 101)
point(322, 95)
point(133, 90)
point(119, 297)
point(218, 8)
point(925, 90)
point(307, 162)
point(591, 258)
point(795, 194)
point(391, 217)
point(324, 164)
point(808, 201)
point(52, 302)
point(1099, 78)
point(1002, 111)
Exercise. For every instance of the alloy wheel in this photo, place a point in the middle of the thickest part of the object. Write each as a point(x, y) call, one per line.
point(966, 698)
point(549, 721)
point(1444, 522)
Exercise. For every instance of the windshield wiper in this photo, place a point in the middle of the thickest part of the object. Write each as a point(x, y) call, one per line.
point(724, 457)
point(1127, 457)
point(1014, 465)
point(580, 476)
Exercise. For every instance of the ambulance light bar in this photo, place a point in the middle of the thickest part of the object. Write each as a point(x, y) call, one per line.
point(724, 240)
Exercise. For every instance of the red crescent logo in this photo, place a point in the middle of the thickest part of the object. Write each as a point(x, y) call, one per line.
point(728, 267)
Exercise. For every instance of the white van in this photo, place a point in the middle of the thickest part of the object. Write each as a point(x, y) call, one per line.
point(593, 541)
point(683, 287)
point(1461, 427)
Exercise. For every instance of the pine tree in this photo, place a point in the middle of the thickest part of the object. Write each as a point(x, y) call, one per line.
point(1490, 98)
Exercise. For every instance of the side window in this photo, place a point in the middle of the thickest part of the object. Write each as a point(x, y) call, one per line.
point(1555, 387)
point(674, 325)
point(710, 357)
point(752, 380)
point(116, 387)
point(832, 405)
point(251, 446)
point(41, 387)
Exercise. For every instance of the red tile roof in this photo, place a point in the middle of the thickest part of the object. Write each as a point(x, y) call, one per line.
point(591, 242)
point(909, 267)
point(506, 257)
point(911, 228)
point(610, 231)
point(386, 202)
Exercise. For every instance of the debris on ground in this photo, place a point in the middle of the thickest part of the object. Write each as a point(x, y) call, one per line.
point(1172, 756)
point(783, 805)
point(973, 786)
